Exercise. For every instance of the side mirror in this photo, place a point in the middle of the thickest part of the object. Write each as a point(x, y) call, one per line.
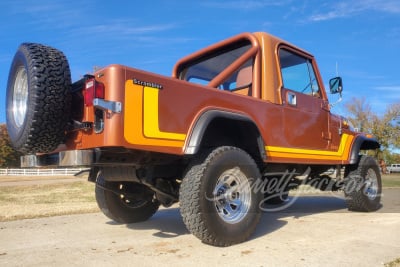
point(336, 85)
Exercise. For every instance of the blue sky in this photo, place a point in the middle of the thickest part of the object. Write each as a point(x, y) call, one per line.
point(361, 36)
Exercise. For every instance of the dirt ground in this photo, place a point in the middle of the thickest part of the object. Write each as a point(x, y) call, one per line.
point(315, 231)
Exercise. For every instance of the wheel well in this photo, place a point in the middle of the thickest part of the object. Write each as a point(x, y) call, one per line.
point(362, 143)
point(230, 132)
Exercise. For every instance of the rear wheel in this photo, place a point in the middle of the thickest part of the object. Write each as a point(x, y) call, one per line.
point(219, 204)
point(125, 202)
point(363, 185)
point(38, 98)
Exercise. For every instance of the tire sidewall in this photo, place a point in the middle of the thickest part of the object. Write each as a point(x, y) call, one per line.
point(355, 186)
point(370, 164)
point(215, 169)
point(114, 208)
point(16, 133)
point(48, 99)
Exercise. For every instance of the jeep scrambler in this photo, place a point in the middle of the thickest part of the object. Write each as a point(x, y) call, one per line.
point(232, 116)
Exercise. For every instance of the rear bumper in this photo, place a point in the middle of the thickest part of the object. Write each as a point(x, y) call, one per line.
point(65, 159)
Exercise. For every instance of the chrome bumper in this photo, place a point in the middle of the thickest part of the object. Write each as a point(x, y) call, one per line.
point(63, 159)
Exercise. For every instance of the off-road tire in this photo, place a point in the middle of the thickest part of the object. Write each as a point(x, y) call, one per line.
point(125, 202)
point(38, 98)
point(201, 197)
point(363, 185)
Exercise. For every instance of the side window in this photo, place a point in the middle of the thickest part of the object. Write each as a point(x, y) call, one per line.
point(240, 79)
point(205, 69)
point(298, 73)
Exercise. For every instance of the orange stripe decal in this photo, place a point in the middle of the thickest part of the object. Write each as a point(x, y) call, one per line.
point(285, 152)
point(141, 118)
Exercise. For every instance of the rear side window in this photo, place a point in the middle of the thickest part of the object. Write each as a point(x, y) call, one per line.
point(208, 67)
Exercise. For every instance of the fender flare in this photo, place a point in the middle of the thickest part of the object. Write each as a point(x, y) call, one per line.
point(362, 142)
point(204, 120)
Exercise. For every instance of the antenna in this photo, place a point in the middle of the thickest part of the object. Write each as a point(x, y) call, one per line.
point(340, 98)
point(337, 69)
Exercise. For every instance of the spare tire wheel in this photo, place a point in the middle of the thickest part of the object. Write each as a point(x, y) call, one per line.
point(38, 98)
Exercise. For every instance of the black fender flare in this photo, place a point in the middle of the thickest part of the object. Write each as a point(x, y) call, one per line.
point(362, 142)
point(203, 121)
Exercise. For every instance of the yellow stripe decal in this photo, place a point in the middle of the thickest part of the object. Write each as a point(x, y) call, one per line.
point(285, 152)
point(141, 120)
point(151, 122)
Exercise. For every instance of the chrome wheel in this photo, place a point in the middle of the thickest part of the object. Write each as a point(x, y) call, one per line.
point(218, 198)
point(20, 97)
point(232, 196)
point(371, 184)
point(363, 185)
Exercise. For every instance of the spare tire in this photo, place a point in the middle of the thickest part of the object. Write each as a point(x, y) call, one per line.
point(38, 98)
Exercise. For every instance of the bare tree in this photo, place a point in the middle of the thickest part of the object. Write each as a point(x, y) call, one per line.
point(361, 114)
point(385, 128)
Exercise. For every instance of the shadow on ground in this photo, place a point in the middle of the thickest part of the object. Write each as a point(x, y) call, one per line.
point(168, 222)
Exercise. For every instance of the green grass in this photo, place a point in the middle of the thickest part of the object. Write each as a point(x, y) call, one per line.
point(33, 201)
point(391, 180)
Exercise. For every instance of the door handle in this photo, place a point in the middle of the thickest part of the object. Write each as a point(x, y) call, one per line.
point(291, 99)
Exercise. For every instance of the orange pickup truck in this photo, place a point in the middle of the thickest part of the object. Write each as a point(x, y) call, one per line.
point(238, 125)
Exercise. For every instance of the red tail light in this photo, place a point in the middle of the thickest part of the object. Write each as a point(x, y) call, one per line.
point(93, 89)
point(99, 90)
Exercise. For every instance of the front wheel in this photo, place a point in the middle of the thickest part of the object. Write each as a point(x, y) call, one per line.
point(363, 185)
point(125, 202)
point(219, 204)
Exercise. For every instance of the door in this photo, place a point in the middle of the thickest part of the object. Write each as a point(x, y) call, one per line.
point(305, 112)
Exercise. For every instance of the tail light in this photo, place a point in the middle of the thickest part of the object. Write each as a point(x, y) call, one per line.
point(93, 96)
point(93, 89)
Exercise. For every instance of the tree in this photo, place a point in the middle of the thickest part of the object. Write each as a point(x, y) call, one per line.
point(385, 128)
point(361, 114)
point(8, 156)
point(391, 158)
point(393, 116)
